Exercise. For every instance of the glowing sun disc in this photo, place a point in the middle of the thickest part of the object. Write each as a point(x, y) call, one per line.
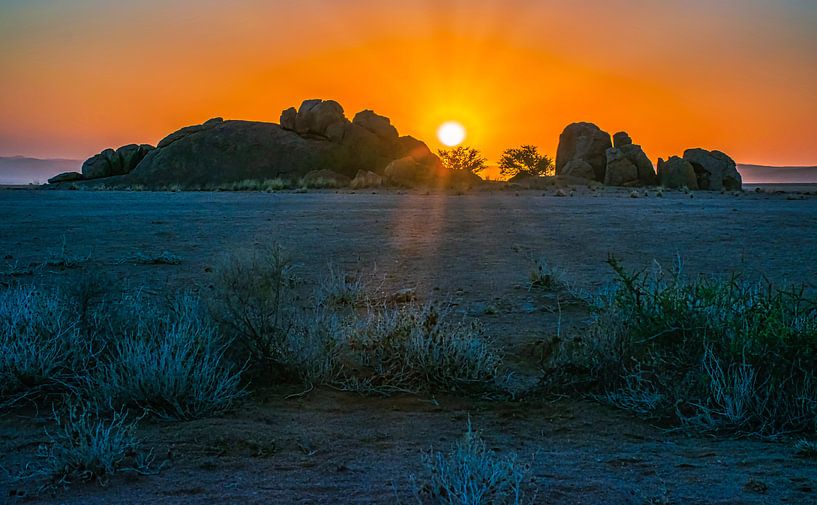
point(451, 133)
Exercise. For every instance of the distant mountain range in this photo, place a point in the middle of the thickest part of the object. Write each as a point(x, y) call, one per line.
point(759, 174)
point(22, 170)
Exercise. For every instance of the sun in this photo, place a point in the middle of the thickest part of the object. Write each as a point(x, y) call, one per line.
point(451, 133)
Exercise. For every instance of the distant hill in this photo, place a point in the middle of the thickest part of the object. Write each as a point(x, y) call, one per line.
point(759, 174)
point(22, 170)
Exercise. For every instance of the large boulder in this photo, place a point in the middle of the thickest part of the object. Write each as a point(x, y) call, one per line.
point(579, 168)
point(585, 142)
point(628, 165)
point(315, 137)
point(377, 124)
point(109, 163)
point(66, 177)
point(621, 139)
point(714, 170)
point(676, 173)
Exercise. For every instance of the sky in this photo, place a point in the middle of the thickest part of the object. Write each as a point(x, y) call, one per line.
point(736, 75)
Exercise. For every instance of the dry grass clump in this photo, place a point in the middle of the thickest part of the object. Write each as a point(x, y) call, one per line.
point(472, 474)
point(86, 447)
point(806, 449)
point(42, 350)
point(322, 183)
point(547, 277)
point(162, 258)
point(715, 354)
point(338, 289)
point(419, 348)
point(172, 366)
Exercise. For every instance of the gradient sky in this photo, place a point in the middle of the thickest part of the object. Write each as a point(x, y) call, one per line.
point(737, 75)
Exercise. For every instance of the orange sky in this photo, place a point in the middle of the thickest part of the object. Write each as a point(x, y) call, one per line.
point(737, 75)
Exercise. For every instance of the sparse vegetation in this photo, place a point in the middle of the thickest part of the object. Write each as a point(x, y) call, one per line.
point(173, 367)
point(41, 348)
point(548, 277)
point(472, 474)
point(418, 348)
point(162, 258)
point(338, 288)
point(714, 354)
point(85, 447)
point(806, 449)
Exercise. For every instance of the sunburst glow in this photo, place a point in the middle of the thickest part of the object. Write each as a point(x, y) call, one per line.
point(451, 133)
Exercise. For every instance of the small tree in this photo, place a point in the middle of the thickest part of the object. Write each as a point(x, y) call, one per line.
point(462, 158)
point(525, 159)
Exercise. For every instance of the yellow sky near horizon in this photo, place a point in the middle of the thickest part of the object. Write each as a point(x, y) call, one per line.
point(734, 75)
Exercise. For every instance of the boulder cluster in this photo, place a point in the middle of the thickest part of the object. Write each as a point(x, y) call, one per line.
point(586, 151)
point(316, 140)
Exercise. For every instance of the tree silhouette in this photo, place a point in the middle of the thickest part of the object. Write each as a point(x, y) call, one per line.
point(462, 158)
point(525, 159)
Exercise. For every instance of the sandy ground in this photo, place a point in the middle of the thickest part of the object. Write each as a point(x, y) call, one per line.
point(474, 250)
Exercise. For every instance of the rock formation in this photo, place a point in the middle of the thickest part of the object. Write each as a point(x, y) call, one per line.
point(714, 170)
point(583, 142)
point(366, 179)
point(316, 136)
point(676, 172)
point(120, 162)
point(627, 164)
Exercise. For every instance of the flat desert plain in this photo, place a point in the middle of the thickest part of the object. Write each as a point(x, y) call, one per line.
point(474, 251)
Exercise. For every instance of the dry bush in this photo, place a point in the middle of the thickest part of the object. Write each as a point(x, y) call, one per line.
point(42, 350)
point(420, 348)
point(86, 447)
point(472, 474)
point(172, 366)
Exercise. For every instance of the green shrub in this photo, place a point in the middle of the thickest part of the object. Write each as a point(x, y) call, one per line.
point(717, 354)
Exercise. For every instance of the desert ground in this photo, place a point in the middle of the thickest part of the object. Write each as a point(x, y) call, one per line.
point(473, 250)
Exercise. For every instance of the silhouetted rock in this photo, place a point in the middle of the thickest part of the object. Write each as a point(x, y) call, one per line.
point(408, 171)
point(315, 137)
point(579, 168)
point(628, 165)
point(325, 179)
point(585, 142)
point(621, 139)
point(714, 170)
point(366, 179)
point(189, 130)
point(120, 162)
point(66, 177)
point(676, 172)
point(377, 124)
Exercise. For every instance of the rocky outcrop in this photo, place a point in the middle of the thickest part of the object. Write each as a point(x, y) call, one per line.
point(627, 164)
point(579, 168)
point(66, 177)
point(714, 170)
point(676, 173)
point(583, 142)
point(317, 136)
point(119, 162)
point(621, 139)
point(366, 179)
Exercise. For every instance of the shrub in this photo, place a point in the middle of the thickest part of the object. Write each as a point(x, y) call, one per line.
point(715, 353)
point(342, 289)
point(548, 277)
point(41, 348)
point(322, 183)
point(472, 474)
point(253, 304)
point(87, 448)
point(174, 367)
point(416, 348)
